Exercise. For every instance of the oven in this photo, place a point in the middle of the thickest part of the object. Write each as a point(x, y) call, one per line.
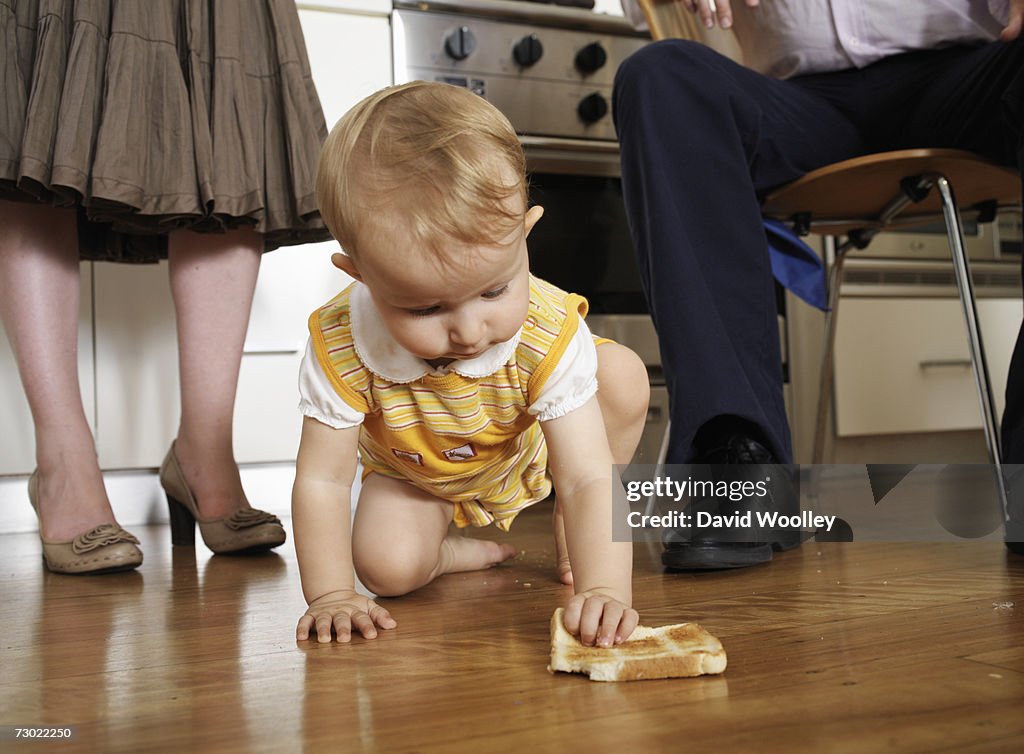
point(582, 244)
point(550, 70)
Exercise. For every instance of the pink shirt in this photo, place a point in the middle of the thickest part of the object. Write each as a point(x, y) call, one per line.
point(783, 38)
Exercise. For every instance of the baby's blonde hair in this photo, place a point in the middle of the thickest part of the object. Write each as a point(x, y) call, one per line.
point(438, 155)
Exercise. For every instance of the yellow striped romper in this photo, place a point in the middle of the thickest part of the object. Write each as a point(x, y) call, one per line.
point(470, 441)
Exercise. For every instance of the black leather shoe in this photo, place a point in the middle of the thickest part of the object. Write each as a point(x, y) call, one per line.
point(737, 459)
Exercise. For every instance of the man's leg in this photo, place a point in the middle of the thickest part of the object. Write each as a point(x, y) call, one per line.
point(702, 138)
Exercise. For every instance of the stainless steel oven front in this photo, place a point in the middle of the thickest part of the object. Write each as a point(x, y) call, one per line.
point(550, 70)
point(583, 244)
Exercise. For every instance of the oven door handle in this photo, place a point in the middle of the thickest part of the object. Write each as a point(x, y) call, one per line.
point(549, 154)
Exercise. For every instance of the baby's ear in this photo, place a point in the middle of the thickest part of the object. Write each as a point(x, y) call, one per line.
point(533, 214)
point(344, 263)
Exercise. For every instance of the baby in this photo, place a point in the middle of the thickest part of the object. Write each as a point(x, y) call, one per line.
point(467, 386)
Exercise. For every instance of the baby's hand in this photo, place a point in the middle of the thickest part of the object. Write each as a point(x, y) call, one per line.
point(343, 610)
point(599, 619)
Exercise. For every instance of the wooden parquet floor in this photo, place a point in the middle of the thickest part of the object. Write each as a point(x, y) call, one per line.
point(859, 647)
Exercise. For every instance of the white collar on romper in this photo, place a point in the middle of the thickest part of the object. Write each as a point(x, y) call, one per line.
point(379, 352)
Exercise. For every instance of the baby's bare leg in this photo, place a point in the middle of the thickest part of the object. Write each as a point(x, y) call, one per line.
point(401, 539)
point(623, 393)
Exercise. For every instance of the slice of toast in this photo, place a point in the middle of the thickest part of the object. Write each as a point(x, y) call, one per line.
point(678, 651)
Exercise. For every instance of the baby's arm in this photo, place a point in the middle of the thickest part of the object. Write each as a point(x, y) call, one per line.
point(581, 466)
point(321, 517)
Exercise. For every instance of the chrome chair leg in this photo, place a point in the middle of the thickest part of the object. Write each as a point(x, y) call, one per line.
point(961, 267)
point(912, 190)
point(835, 277)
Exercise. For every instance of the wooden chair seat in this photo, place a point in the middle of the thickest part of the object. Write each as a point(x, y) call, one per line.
point(852, 194)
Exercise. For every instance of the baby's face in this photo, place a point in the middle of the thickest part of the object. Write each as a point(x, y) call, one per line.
point(447, 312)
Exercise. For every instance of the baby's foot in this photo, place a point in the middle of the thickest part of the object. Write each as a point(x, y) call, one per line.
point(467, 554)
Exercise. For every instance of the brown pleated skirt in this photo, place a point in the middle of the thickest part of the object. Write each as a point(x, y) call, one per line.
point(154, 115)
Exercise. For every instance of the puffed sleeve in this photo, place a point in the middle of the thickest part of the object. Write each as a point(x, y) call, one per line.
point(319, 400)
point(573, 381)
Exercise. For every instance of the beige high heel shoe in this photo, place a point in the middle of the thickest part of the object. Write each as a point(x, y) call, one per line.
point(106, 548)
point(244, 531)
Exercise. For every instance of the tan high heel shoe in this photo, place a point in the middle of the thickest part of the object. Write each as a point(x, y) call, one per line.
point(244, 531)
point(106, 548)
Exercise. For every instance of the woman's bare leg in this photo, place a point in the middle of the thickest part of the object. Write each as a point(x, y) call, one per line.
point(213, 278)
point(39, 302)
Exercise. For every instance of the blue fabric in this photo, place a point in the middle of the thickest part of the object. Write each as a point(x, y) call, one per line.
point(795, 265)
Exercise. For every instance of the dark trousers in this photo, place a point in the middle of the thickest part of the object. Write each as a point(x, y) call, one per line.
point(704, 139)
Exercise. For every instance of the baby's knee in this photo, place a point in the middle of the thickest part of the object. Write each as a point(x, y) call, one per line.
point(622, 382)
point(390, 577)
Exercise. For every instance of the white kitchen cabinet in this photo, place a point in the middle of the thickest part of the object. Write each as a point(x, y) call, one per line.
point(349, 52)
point(137, 403)
point(17, 437)
point(902, 365)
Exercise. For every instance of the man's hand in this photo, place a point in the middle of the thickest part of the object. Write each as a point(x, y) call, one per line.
point(598, 619)
point(723, 11)
point(1015, 22)
point(342, 610)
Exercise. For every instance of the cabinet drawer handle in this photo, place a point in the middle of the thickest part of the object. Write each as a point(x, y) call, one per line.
point(936, 363)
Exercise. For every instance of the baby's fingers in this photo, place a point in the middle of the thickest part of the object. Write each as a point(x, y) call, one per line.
point(629, 621)
point(363, 623)
point(382, 617)
point(599, 620)
point(302, 630)
point(317, 626)
point(571, 616)
point(591, 620)
point(342, 628)
point(324, 621)
point(367, 623)
point(611, 615)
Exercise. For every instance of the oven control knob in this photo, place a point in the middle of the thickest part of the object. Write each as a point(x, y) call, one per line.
point(591, 58)
point(528, 50)
point(460, 43)
point(592, 108)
